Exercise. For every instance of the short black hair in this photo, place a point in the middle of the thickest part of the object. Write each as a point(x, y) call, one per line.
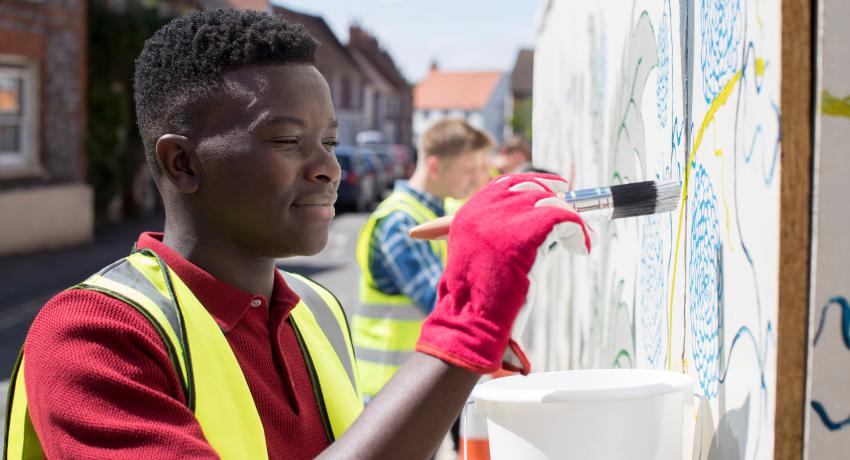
point(182, 63)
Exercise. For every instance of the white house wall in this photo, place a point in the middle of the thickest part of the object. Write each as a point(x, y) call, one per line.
point(423, 119)
point(657, 90)
point(494, 112)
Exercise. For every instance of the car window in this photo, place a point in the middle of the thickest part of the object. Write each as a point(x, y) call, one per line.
point(344, 161)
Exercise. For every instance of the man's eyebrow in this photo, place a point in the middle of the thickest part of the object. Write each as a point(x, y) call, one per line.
point(277, 120)
point(334, 124)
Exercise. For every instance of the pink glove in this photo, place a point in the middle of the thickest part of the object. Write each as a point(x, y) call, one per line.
point(494, 241)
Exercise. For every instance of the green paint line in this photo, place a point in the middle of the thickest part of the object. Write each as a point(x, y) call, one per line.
point(831, 105)
point(622, 354)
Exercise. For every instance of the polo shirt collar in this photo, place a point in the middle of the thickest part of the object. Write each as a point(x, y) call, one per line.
point(227, 304)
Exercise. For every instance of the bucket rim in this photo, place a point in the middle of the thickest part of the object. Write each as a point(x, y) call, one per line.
point(669, 382)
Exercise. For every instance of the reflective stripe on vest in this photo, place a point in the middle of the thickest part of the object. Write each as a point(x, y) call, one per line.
point(386, 327)
point(213, 383)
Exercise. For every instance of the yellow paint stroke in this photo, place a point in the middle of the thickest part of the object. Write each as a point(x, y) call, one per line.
point(831, 105)
point(759, 67)
point(719, 153)
point(718, 102)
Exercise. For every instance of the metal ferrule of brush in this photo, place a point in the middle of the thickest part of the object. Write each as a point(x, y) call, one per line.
point(597, 201)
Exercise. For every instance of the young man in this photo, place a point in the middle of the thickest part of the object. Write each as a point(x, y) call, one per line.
point(399, 275)
point(195, 345)
point(514, 156)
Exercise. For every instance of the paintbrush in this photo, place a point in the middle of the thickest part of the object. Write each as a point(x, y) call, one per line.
point(600, 203)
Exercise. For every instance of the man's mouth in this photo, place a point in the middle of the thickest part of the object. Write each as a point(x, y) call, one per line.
point(322, 201)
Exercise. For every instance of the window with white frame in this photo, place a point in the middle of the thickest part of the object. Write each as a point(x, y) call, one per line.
point(17, 115)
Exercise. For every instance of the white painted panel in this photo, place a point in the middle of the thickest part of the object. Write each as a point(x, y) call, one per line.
point(663, 89)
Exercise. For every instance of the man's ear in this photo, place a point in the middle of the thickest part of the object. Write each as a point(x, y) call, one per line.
point(432, 166)
point(176, 158)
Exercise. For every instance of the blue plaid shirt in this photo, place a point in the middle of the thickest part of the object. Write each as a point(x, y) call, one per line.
point(402, 265)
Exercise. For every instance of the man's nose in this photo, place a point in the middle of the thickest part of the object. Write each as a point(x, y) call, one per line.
point(324, 166)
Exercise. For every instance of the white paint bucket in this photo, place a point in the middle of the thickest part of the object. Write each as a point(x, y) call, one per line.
point(589, 414)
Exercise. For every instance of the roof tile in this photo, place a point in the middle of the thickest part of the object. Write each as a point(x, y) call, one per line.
point(455, 90)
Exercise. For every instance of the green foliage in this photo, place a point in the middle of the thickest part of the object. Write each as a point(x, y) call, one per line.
point(521, 120)
point(112, 142)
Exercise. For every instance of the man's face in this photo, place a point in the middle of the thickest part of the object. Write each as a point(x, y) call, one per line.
point(460, 176)
point(508, 160)
point(269, 173)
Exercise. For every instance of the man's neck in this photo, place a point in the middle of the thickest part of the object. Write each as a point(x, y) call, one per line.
point(419, 182)
point(221, 258)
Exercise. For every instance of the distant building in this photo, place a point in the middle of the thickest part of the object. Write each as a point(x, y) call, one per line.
point(522, 86)
point(44, 199)
point(257, 5)
point(178, 7)
point(522, 77)
point(482, 98)
point(339, 69)
point(387, 96)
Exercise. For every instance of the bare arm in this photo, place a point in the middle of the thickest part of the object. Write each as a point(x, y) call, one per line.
point(411, 414)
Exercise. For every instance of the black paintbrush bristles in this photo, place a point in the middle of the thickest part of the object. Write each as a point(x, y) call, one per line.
point(642, 198)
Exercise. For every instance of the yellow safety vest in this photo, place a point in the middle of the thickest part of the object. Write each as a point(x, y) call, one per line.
point(212, 381)
point(453, 205)
point(386, 327)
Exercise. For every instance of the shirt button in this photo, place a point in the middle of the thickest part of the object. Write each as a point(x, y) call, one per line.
point(256, 302)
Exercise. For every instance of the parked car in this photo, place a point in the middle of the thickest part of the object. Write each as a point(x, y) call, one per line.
point(384, 169)
point(369, 137)
point(358, 186)
point(404, 161)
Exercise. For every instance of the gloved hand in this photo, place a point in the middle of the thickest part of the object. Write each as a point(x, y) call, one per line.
point(494, 241)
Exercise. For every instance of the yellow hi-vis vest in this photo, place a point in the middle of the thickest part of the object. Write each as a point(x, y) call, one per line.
point(453, 205)
point(212, 381)
point(386, 327)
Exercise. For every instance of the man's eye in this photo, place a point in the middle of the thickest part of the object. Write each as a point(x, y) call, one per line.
point(332, 143)
point(286, 142)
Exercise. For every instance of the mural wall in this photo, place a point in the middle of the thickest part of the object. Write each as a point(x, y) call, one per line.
point(829, 405)
point(639, 90)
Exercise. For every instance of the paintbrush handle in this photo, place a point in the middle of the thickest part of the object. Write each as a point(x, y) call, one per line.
point(583, 200)
point(594, 204)
point(436, 229)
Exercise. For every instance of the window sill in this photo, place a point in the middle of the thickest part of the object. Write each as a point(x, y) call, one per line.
point(22, 172)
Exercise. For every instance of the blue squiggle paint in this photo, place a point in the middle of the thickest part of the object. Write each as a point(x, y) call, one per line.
point(842, 303)
point(651, 296)
point(722, 28)
point(665, 72)
point(704, 278)
point(748, 57)
point(768, 166)
point(761, 355)
point(827, 420)
point(845, 319)
point(769, 174)
point(748, 155)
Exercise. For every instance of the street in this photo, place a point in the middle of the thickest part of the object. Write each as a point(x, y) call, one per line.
point(30, 280)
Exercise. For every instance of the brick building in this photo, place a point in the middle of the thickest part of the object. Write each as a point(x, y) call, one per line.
point(340, 70)
point(522, 76)
point(388, 97)
point(44, 199)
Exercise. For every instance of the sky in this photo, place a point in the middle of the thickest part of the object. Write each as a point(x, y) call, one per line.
point(459, 34)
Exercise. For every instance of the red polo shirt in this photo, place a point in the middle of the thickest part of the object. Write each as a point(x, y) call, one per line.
point(100, 383)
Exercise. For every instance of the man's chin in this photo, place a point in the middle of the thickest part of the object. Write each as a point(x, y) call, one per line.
point(304, 245)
